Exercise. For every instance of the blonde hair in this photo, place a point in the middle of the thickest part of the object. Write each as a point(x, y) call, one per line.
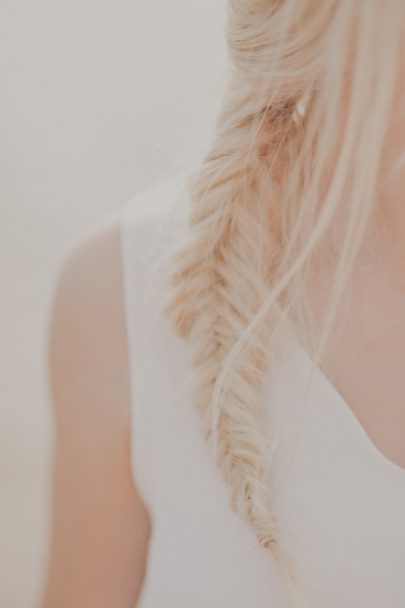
point(300, 133)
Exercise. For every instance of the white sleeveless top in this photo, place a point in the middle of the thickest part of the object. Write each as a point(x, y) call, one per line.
point(340, 502)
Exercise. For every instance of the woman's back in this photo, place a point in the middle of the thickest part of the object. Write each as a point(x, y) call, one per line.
point(339, 503)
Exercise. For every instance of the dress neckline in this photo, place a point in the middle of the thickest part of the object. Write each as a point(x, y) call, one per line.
point(341, 403)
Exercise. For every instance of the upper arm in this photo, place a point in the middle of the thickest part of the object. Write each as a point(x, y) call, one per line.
point(100, 526)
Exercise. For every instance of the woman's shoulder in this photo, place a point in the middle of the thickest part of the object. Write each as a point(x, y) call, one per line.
point(87, 345)
point(91, 407)
point(87, 334)
point(86, 341)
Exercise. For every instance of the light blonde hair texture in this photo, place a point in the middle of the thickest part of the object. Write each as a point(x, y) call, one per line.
point(300, 133)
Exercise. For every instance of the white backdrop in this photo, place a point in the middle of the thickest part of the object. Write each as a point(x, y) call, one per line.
point(99, 98)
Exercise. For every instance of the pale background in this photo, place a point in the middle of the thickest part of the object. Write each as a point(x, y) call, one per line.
point(98, 99)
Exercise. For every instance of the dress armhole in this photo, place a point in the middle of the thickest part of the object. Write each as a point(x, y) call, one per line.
point(134, 233)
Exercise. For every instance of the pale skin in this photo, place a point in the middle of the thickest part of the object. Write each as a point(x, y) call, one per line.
point(100, 525)
point(365, 354)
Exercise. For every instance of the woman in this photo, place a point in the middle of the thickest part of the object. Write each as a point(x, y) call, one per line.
point(230, 424)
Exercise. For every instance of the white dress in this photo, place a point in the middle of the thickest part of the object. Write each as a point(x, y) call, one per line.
point(340, 501)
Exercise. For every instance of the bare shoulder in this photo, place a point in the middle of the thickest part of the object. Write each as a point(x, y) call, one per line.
point(99, 520)
point(87, 339)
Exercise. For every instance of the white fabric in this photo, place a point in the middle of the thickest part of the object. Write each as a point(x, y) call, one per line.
point(340, 502)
